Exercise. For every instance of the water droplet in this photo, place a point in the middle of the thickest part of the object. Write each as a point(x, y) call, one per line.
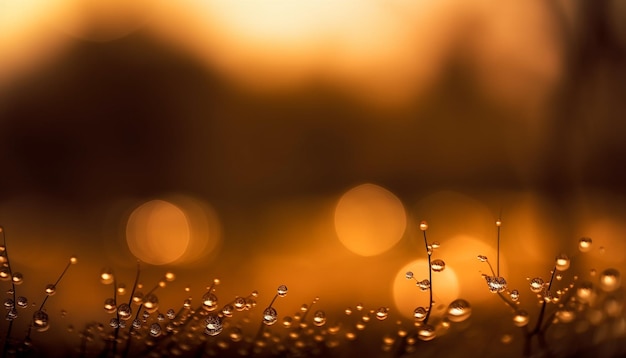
point(459, 310)
point(11, 314)
point(482, 258)
point(145, 314)
point(22, 302)
point(240, 303)
point(496, 284)
point(270, 316)
point(613, 307)
point(155, 330)
point(214, 325)
point(419, 313)
point(426, 332)
point(438, 265)
point(209, 301)
point(17, 278)
point(435, 245)
point(515, 295)
point(359, 306)
point(5, 274)
point(151, 302)
point(106, 276)
point(536, 284)
point(319, 318)
point(114, 323)
point(423, 226)
point(50, 289)
point(235, 334)
point(506, 338)
point(562, 262)
point(170, 276)
point(40, 320)
point(348, 311)
point(584, 292)
point(109, 305)
point(520, 319)
point(304, 308)
point(136, 323)
point(424, 284)
point(498, 223)
point(584, 244)
point(382, 313)
point(565, 315)
point(409, 275)
point(559, 277)
point(227, 310)
point(187, 303)
point(282, 290)
point(160, 317)
point(610, 280)
point(8, 303)
point(124, 311)
point(138, 298)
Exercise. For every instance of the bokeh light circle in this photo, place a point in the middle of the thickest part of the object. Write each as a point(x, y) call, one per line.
point(158, 232)
point(369, 220)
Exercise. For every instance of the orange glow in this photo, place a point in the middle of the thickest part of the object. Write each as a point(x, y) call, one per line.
point(158, 232)
point(369, 220)
point(407, 296)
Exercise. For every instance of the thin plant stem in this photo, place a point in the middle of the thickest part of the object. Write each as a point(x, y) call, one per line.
point(430, 280)
point(543, 307)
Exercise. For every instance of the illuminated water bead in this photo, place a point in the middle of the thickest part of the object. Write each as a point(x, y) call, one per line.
point(319, 318)
point(382, 313)
point(136, 323)
point(514, 295)
point(562, 262)
point(282, 290)
point(106, 276)
point(227, 310)
point(11, 314)
point(409, 275)
point(124, 311)
point(160, 317)
point(155, 330)
point(240, 303)
point(584, 292)
point(213, 326)
point(287, 321)
point(565, 314)
point(151, 302)
point(170, 276)
point(270, 316)
point(536, 284)
point(420, 313)
point(423, 226)
point(496, 284)
point(584, 244)
point(424, 284)
point(426, 332)
point(114, 323)
point(40, 320)
point(22, 302)
point(109, 305)
point(435, 245)
point(209, 301)
point(459, 310)
point(482, 258)
point(521, 318)
point(610, 280)
point(438, 265)
point(50, 289)
point(5, 273)
point(17, 278)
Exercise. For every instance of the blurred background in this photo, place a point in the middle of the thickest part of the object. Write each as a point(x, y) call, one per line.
point(302, 142)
